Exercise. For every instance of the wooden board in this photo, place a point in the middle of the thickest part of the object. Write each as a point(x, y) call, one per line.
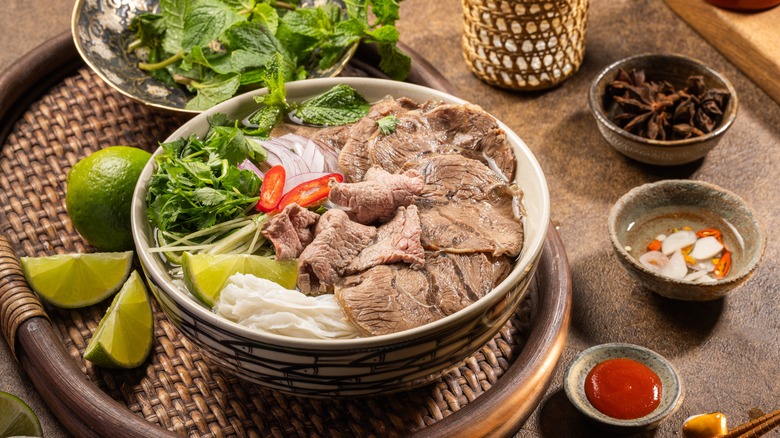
point(750, 40)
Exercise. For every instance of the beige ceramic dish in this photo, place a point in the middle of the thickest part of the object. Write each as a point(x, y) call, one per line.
point(365, 366)
point(577, 372)
point(673, 68)
point(656, 208)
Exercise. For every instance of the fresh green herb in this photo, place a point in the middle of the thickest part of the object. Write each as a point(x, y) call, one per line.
point(197, 184)
point(217, 48)
point(387, 124)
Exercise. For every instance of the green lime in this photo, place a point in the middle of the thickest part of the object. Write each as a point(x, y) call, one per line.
point(207, 274)
point(77, 280)
point(172, 256)
point(123, 338)
point(99, 193)
point(16, 418)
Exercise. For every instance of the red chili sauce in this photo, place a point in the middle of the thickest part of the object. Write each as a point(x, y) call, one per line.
point(623, 388)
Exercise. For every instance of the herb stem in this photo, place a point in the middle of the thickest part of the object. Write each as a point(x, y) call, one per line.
point(161, 64)
point(285, 5)
point(134, 45)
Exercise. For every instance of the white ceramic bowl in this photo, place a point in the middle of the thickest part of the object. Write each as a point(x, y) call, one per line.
point(364, 366)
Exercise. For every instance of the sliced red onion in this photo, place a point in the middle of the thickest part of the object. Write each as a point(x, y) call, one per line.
point(280, 154)
point(248, 165)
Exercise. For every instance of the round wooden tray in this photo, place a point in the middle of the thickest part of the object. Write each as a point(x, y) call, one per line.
point(54, 111)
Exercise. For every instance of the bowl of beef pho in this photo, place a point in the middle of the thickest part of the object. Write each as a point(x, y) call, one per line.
point(400, 237)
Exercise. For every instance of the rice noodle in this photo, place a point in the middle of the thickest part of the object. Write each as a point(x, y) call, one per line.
point(263, 305)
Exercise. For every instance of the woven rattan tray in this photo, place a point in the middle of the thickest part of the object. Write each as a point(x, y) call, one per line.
point(54, 111)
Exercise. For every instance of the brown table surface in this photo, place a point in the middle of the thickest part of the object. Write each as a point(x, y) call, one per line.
point(727, 351)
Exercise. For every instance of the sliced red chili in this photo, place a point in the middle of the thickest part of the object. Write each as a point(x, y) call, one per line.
point(710, 232)
point(272, 188)
point(723, 265)
point(310, 192)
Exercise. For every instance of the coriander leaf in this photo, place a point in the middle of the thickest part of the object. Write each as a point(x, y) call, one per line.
point(340, 105)
point(213, 91)
point(386, 11)
point(206, 21)
point(173, 14)
point(244, 181)
point(231, 144)
point(387, 124)
point(209, 196)
point(394, 62)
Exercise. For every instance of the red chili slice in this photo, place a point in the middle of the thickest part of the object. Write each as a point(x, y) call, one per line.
point(723, 266)
point(710, 232)
point(272, 188)
point(310, 192)
point(655, 245)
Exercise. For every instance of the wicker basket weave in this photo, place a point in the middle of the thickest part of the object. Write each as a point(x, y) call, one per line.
point(524, 44)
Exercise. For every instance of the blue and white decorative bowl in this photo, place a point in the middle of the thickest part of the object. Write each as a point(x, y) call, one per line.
point(351, 367)
point(100, 33)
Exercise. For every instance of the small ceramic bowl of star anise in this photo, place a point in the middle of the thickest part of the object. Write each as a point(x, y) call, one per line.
point(662, 109)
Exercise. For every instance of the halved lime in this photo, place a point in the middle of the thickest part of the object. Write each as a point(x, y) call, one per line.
point(207, 274)
point(123, 337)
point(16, 418)
point(77, 280)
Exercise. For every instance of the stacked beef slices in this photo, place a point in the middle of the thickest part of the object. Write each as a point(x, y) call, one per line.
point(426, 223)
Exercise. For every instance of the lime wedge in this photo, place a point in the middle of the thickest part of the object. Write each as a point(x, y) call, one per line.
point(77, 280)
point(16, 418)
point(123, 337)
point(207, 274)
point(172, 256)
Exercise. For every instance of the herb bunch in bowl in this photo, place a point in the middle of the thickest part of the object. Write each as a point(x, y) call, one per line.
point(219, 48)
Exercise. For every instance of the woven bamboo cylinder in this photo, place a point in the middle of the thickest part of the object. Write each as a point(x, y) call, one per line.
point(524, 44)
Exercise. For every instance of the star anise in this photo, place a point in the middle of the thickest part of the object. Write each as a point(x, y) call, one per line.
point(658, 111)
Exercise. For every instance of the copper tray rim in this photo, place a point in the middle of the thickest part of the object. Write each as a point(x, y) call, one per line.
point(40, 351)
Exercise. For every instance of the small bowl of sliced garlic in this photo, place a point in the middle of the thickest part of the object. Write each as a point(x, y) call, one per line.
point(687, 240)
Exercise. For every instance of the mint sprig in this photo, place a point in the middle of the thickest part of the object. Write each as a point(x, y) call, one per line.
point(217, 48)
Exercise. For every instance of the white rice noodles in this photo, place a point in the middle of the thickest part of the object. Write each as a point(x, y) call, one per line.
point(263, 305)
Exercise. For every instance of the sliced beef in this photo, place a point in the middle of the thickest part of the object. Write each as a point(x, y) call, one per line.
point(465, 207)
point(334, 137)
point(290, 231)
point(467, 227)
point(379, 196)
point(455, 177)
point(354, 159)
point(387, 299)
point(337, 241)
point(459, 280)
point(471, 131)
point(412, 138)
point(391, 298)
point(396, 241)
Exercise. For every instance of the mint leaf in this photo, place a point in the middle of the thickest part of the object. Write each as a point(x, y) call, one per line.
point(385, 34)
point(394, 62)
point(386, 11)
point(257, 40)
point(148, 28)
point(173, 14)
point(206, 21)
point(219, 62)
point(340, 105)
point(387, 124)
point(213, 91)
point(266, 15)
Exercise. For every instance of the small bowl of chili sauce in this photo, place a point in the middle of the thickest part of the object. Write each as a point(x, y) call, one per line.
point(623, 387)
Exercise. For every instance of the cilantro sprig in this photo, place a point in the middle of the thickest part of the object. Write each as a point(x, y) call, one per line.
point(217, 48)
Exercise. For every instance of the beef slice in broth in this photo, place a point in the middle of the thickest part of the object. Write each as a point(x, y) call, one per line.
point(392, 298)
point(290, 231)
point(353, 158)
point(465, 207)
point(396, 241)
point(379, 196)
point(337, 240)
